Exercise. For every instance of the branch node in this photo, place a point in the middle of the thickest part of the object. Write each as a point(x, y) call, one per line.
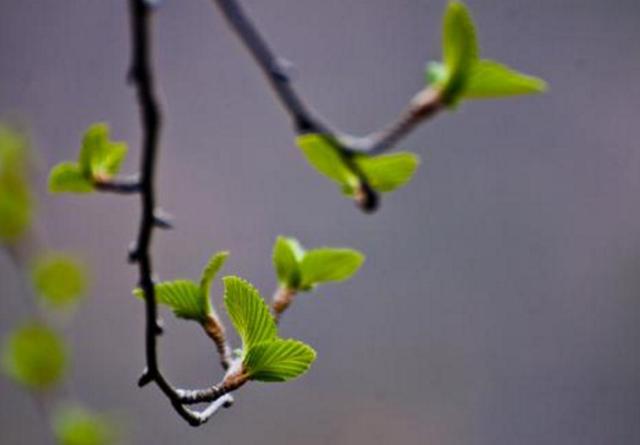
point(162, 220)
point(159, 327)
point(366, 198)
point(145, 378)
point(133, 255)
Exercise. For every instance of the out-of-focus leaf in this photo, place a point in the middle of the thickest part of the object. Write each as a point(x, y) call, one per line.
point(16, 200)
point(60, 279)
point(463, 75)
point(490, 80)
point(248, 312)
point(325, 157)
point(100, 158)
point(459, 49)
point(78, 426)
point(278, 360)
point(387, 173)
point(35, 356)
point(329, 264)
point(67, 177)
point(435, 74)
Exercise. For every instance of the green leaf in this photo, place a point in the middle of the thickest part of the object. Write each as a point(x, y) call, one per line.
point(327, 264)
point(491, 79)
point(386, 173)
point(93, 142)
point(16, 200)
point(60, 279)
point(278, 360)
point(16, 210)
point(100, 158)
point(35, 356)
point(286, 252)
point(78, 426)
point(67, 177)
point(459, 49)
point(248, 312)
point(208, 274)
point(325, 157)
point(184, 297)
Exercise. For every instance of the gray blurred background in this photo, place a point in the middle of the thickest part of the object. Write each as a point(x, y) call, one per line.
point(500, 301)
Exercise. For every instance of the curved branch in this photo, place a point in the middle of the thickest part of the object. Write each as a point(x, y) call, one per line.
point(142, 77)
point(424, 104)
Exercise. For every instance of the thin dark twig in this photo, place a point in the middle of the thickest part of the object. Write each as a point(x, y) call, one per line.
point(122, 186)
point(424, 105)
point(142, 77)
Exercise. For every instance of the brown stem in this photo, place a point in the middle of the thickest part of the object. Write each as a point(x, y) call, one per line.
point(216, 332)
point(236, 377)
point(282, 299)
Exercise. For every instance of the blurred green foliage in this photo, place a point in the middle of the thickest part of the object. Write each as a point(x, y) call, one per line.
point(16, 200)
point(99, 160)
point(463, 75)
point(78, 426)
point(60, 279)
point(35, 356)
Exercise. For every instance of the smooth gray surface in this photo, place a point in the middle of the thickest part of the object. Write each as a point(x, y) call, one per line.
point(500, 299)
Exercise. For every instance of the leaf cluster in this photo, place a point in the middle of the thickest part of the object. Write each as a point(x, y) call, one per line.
point(99, 160)
point(265, 356)
point(298, 269)
point(383, 173)
point(463, 74)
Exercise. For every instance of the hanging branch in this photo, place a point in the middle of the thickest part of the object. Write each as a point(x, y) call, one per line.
point(142, 77)
point(424, 105)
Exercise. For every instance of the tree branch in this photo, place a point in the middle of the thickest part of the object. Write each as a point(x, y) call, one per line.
point(424, 104)
point(282, 299)
point(142, 77)
point(121, 186)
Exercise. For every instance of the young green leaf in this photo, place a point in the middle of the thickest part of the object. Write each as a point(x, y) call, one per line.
point(491, 79)
point(208, 274)
point(387, 173)
point(100, 158)
point(35, 356)
point(459, 50)
point(322, 154)
point(285, 262)
point(278, 360)
point(248, 312)
point(60, 279)
point(182, 296)
point(67, 177)
point(327, 264)
point(78, 426)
